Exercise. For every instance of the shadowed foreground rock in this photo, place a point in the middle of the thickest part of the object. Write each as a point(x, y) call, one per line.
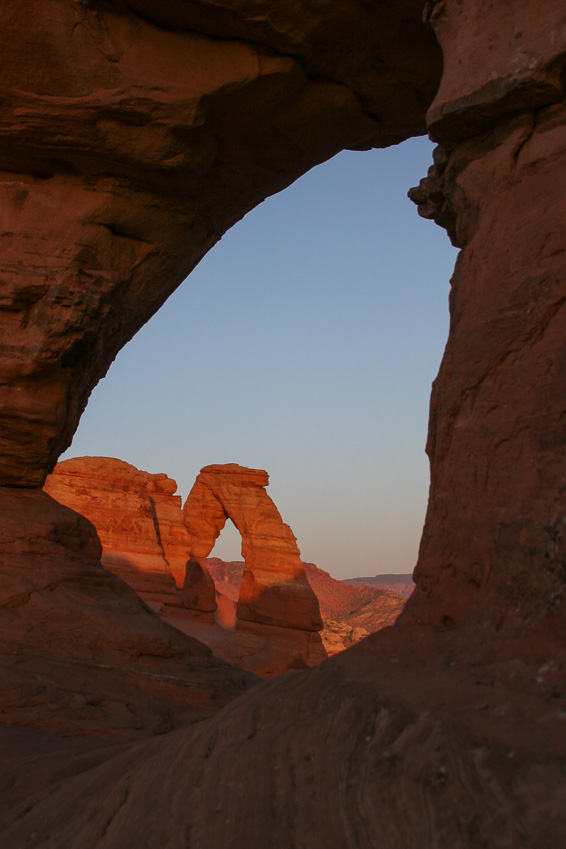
point(394, 743)
point(80, 651)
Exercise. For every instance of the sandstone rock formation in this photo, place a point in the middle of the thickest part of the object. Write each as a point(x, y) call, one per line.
point(144, 541)
point(274, 589)
point(493, 546)
point(132, 136)
point(136, 515)
point(81, 653)
point(349, 613)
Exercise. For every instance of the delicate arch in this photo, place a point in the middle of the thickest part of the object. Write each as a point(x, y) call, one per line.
point(275, 589)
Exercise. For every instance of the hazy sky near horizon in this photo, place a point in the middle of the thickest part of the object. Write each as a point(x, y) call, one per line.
point(304, 343)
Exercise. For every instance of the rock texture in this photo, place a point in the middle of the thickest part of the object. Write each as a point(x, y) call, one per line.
point(493, 547)
point(130, 142)
point(133, 135)
point(136, 515)
point(349, 613)
point(274, 589)
point(393, 743)
point(145, 542)
point(81, 653)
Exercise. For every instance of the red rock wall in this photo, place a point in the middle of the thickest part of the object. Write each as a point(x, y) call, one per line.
point(493, 547)
point(126, 506)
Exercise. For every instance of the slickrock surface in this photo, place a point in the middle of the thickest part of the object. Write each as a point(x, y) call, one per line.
point(136, 516)
point(399, 742)
point(81, 653)
point(274, 589)
point(134, 135)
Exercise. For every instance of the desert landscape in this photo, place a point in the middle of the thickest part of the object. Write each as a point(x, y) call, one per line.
point(268, 614)
point(140, 705)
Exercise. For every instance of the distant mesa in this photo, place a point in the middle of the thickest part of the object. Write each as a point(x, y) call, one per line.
point(401, 584)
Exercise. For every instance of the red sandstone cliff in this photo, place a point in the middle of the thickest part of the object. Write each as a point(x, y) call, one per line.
point(136, 516)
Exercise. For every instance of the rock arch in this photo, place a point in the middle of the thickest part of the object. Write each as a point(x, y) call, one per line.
point(172, 120)
point(275, 590)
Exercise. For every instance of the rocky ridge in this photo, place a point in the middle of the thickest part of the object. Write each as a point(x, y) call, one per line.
point(403, 585)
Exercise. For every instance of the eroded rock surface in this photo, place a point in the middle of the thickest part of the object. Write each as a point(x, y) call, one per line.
point(274, 590)
point(133, 135)
point(136, 515)
point(493, 547)
point(81, 653)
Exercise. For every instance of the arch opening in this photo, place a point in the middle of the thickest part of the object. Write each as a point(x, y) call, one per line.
point(307, 341)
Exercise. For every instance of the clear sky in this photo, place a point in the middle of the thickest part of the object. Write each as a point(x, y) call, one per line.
point(304, 343)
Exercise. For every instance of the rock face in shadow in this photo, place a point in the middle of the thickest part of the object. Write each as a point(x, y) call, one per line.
point(493, 547)
point(426, 750)
point(274, 590)
point(133, 136)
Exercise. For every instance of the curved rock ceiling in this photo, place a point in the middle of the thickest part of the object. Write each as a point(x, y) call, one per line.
point(130, 145)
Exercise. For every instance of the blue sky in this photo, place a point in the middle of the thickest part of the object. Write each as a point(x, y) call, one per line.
point(304, 343)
